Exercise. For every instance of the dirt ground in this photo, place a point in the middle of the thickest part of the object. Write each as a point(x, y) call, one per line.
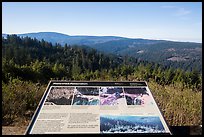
point(13, 130)
point(17, 128)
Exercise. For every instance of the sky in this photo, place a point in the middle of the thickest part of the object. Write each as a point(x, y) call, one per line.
point(177, 21)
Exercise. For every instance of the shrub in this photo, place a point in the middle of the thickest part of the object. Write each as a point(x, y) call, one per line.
point(18, 97)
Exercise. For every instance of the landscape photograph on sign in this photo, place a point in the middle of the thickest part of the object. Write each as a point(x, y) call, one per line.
point(86, 96)
point(137, 96)
point(111, 96)
point(60, 96)
point(130, 124)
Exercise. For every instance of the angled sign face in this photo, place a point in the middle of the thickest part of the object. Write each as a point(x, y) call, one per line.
point(97, 107)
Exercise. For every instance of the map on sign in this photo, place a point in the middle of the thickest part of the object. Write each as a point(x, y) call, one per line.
point(97, 107)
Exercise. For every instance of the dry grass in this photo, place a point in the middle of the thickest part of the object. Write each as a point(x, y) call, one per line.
point(179, 107)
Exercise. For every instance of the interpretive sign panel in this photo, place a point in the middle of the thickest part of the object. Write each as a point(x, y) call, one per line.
point(69, 107)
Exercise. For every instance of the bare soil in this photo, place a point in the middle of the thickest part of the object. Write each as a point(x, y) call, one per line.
point(17, 128)
point(13, 130)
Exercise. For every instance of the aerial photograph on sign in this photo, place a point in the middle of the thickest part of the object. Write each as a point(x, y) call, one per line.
point(137, 96)
point(130, 124)
point(111, 96)
point(60, 96)
point(86, 96)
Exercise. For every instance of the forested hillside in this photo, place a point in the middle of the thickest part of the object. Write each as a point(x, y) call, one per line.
point(184, 55)
point(29, 64)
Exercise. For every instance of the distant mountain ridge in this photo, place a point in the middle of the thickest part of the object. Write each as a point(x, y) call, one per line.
point(61, 38)
point(56, 37)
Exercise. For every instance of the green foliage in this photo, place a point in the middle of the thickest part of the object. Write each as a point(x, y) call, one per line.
point(18, 97)
point(55, 62)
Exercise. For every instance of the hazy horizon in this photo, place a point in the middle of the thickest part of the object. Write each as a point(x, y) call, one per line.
point(105, 36)
point(173, 21)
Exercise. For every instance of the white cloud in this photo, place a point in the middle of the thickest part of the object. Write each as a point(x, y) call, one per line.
point(179, 11)
point(168, 7)
point(182, 12)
